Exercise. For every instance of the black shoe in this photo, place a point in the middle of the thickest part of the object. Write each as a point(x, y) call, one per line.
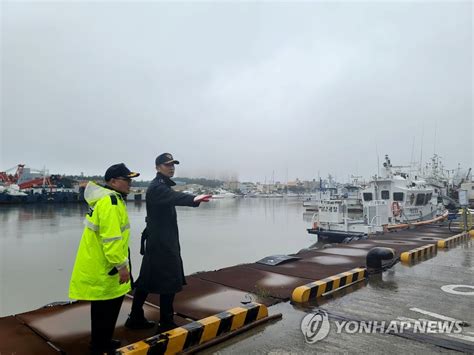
point(115, 344)
point(139, 323)
point(105, 349)
point(165, 326)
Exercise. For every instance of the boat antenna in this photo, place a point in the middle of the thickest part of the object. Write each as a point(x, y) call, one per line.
point(421, 150)
point(412, 151)
point(378, 160)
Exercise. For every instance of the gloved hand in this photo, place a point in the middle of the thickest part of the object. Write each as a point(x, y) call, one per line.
point(202, 198)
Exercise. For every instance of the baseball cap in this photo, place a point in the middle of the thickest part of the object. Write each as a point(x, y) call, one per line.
point(165, 158)
point(119, 170)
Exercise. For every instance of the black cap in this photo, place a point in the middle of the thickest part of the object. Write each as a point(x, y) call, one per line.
point(119, 170)
point(165, 158)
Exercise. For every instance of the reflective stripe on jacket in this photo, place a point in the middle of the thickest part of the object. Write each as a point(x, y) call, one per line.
point(103, 247)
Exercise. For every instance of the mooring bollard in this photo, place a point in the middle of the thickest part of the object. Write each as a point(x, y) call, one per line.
point(376, 256)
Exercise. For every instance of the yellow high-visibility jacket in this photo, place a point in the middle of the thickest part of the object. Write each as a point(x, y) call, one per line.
point(103, 247)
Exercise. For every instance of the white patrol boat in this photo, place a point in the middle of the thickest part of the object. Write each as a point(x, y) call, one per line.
point(387, 201)
point(333, 223)
point(408, 198)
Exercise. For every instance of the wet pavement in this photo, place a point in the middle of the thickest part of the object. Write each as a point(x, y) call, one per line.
point(402, 293)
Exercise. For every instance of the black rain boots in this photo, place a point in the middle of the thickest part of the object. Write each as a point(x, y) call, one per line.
point(138, 321)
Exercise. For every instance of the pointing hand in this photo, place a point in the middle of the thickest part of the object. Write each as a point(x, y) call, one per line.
point(202, 198)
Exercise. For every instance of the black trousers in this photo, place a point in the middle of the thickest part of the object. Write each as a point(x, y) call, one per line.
point(166, 305)
point(104, 316)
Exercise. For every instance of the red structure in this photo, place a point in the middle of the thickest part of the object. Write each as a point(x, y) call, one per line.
point(36, 182)
point(11, 178)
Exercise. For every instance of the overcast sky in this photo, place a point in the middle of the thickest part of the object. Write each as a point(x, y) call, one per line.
point(245, 89)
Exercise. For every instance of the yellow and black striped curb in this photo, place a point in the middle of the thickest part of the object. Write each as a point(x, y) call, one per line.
point(415, 254)
point(449, 242)
point(317, 288)
point(197, 332)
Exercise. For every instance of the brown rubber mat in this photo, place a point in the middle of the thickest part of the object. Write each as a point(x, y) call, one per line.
point(345, 251)
point(434, 228)
point(399, 245)
point(307, 269)
point(68, 327)
point(200, 298)
point(340, 257)
point(17, 338)
point(257, 281)
point(439, 231)
point(416, 238)
point(362, 244)
point(352, 254)
point(333, 260)
point(425, 237)
point(423, 234)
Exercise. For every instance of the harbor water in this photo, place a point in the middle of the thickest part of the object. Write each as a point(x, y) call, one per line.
point(38, 243)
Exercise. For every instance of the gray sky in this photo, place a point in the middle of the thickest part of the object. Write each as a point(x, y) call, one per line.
point(236, 88)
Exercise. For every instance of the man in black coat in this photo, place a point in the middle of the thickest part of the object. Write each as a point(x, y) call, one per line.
point(161, 271)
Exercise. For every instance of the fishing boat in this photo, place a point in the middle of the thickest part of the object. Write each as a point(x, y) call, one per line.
point(221, 194)
point(36, 186)
point(333, 222)
point(136, 195)
point(331, 190)
point(11, 194)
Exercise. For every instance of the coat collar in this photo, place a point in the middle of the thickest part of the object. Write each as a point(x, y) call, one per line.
point(165, 179)
point(121, 194)
point(94, 192)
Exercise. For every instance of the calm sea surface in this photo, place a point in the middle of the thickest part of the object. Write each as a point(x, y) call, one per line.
point(38, 243)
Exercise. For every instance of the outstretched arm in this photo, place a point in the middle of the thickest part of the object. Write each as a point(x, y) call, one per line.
point(163, 195)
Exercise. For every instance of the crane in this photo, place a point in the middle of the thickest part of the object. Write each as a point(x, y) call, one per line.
point(9, 179)
point(466, 179)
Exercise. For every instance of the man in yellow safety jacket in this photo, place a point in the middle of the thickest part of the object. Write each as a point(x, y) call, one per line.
point(101, 272)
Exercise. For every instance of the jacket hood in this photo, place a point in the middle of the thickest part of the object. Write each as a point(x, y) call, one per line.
point(95, 192)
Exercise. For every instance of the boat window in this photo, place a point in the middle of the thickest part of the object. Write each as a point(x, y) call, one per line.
point(367, 196)
point(420, 199)
point(398, 196)
point(385, 195)
point(428, 197)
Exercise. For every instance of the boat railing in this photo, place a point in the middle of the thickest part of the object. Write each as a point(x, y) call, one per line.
point(371, 223)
